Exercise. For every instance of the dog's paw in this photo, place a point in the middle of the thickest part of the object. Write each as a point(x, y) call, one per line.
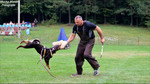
point(49, 68)
point(17, 48)
point(21, 42)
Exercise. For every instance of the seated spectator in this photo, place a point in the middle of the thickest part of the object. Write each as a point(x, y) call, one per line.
point(23, 23)
point(11, 23)
point(16, 25)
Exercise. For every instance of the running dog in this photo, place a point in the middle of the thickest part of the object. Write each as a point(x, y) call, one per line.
point(46, 53)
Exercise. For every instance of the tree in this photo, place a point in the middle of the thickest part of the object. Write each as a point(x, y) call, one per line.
point(135, 8)
point(106, 9)
point(85, 7)
point(143, 10)
point(60, 7)
point(69, 14)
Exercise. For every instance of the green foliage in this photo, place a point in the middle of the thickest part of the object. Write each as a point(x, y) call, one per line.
point(85, 7)
point(92, 20)
point(112, 11)
point(147, 23)
point(46, 23)
point(135, 8)
point(53, 19)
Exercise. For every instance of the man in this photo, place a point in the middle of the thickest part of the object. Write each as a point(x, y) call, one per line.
point(35, 22)
point(87, 38)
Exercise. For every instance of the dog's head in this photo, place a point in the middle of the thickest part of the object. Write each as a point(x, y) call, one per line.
point(33, 43)
point(36, 41)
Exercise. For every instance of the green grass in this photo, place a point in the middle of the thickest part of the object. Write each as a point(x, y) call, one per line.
point(121, 63)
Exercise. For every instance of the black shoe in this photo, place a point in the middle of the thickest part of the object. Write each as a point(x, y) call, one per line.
point(96, 72)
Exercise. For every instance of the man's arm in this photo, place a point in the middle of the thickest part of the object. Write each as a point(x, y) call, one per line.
point(71, 38)
point(99, 31)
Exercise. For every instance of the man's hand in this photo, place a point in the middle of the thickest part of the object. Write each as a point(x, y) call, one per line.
point(61, 43)
point(102, 40)
point(99, 31)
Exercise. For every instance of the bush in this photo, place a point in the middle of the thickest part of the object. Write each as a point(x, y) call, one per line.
point(92, 20)
point(53, 19)
point(45, 22)
point(147, 23)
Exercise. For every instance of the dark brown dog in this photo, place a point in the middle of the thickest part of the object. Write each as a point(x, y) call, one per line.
point(46, 53)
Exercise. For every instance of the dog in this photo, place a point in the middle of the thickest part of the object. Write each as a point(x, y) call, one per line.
point(46, 53)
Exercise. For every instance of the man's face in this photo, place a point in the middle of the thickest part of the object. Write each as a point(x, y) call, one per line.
point(78, 22)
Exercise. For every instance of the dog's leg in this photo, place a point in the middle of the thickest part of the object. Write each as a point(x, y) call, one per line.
point(19, 46)
point(24, 42)
point(47, 65)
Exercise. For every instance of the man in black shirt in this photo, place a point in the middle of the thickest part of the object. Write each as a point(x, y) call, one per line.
point(87, 38)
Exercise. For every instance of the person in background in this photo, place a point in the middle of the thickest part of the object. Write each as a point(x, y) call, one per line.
point(23, 23)
point(11, 23)
point(35, 22)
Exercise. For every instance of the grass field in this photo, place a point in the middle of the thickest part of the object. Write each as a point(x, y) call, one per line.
point(125, 58)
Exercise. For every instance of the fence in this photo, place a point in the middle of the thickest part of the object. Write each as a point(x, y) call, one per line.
point(120, 40)
point(109, 40)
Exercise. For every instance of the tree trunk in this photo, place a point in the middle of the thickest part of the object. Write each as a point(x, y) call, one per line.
point(95, 17)
point(105, 20)
point(115, 6)
point(115, 19)
point(38, 16)
point(69, 12)
point(137, 21)
point(60, 16)
point(131, 24)
point(86, 14)
point(42, 17)
point(86, 9)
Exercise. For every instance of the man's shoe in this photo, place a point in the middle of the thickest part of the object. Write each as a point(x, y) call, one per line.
point(96, 72)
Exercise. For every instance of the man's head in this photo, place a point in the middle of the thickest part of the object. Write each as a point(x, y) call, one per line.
point(78, 20)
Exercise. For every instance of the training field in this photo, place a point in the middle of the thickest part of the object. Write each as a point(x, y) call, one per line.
point(126, 57)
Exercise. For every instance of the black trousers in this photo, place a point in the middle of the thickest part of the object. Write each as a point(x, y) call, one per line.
point(84, 51)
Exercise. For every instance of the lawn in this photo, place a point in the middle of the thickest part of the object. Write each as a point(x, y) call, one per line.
point(125, 59)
